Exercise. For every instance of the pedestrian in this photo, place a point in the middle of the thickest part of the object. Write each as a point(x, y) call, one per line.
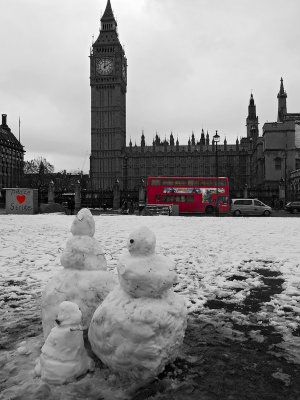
point(71, 206)
point(131, 208)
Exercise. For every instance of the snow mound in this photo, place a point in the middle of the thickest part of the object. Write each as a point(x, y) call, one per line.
point(141, 271)
point(83, 224)
point(85, 288)
point(136, 338)
point(140, 325)
point(83, 252)
point(84, 280)
point(64, 357)
point(146, 276)
point(141, 242)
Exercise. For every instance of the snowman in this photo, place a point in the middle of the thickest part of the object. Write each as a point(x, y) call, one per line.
point(140, 325)
point(63, 357)
point(84, 279)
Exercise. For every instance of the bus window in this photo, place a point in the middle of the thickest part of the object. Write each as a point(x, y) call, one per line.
point(155, 182)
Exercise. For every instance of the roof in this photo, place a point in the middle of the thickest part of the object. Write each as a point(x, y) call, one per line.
point(7, 138)
point(291, 117)
point(108, 14)
point(204, 150)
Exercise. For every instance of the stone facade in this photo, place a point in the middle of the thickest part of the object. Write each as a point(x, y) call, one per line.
point(277, 154)
point(112, 160)
point(108, 68)
point(254, 164)
point(11, 157)
point(295, 185)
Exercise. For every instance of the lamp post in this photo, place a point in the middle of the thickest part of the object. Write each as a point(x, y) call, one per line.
point(216, 140)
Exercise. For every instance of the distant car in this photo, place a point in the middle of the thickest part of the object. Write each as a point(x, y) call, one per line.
point(249, 207)
point(293, 206)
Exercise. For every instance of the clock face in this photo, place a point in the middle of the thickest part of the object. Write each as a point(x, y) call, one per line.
point(105, 65)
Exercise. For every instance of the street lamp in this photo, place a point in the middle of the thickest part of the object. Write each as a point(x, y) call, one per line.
point(216, 138)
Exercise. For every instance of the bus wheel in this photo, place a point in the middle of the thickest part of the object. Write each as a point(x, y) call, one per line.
point(209, 210)
point(237, 213)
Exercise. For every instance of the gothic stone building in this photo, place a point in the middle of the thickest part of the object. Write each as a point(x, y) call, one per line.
point(276, 155)
point(111, 160)
point(11, 157)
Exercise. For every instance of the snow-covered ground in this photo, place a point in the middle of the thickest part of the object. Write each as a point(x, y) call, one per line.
point(216, 258)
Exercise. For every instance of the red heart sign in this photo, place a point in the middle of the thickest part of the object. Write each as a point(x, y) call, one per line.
point(20, 198)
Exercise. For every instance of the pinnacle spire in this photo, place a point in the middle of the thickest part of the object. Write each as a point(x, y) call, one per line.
point(282, 92)
point(282, 109)
point(108, 14)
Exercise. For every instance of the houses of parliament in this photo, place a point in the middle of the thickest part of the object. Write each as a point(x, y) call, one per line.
point(258, 163)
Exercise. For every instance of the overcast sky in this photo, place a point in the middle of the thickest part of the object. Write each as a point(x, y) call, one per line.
point(191, 64)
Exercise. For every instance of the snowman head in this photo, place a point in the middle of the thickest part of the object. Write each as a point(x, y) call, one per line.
point(83, 224)
point(141, 242)
point(68, 314)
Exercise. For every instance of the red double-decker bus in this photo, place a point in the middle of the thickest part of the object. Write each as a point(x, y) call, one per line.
point(192, 194)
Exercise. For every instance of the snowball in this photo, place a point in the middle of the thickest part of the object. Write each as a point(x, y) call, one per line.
point(83, 223)
point(146, 276)
point(83, 252)
point(136, 338)
point(142, 272)
point(68, 314)
point(141, 242)
point(22, 350)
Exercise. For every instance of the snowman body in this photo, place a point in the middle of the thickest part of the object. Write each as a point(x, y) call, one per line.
point(63, 357)
point(84, 279)
point(140, 325)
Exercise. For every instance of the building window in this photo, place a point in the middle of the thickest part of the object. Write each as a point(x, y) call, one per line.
point(297, 163)
point(277, 162)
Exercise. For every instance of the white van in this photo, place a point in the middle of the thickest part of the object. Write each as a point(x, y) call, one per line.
point(249, 207)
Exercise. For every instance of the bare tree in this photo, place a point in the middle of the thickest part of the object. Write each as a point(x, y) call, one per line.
point(38, 166)
point(37, 174)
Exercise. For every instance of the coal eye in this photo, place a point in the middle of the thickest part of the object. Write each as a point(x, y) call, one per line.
point(131, 241)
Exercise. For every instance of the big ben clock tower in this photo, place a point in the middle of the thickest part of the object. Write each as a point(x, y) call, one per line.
point(108, 67)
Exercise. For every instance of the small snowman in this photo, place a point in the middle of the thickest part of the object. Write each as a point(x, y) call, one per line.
point(140, 325)
point(84, 279)
point(63, 357)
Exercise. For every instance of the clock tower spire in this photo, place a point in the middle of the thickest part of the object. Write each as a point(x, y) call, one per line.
point(108, 68)
point(108, 15)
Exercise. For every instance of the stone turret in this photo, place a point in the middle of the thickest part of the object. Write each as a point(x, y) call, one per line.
point(171, 139)
point(202, 138)
point(252, 120)
point(225, 144)
point(143, 140)
point(282, 109)
point(207, 139)
point(193, 139)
